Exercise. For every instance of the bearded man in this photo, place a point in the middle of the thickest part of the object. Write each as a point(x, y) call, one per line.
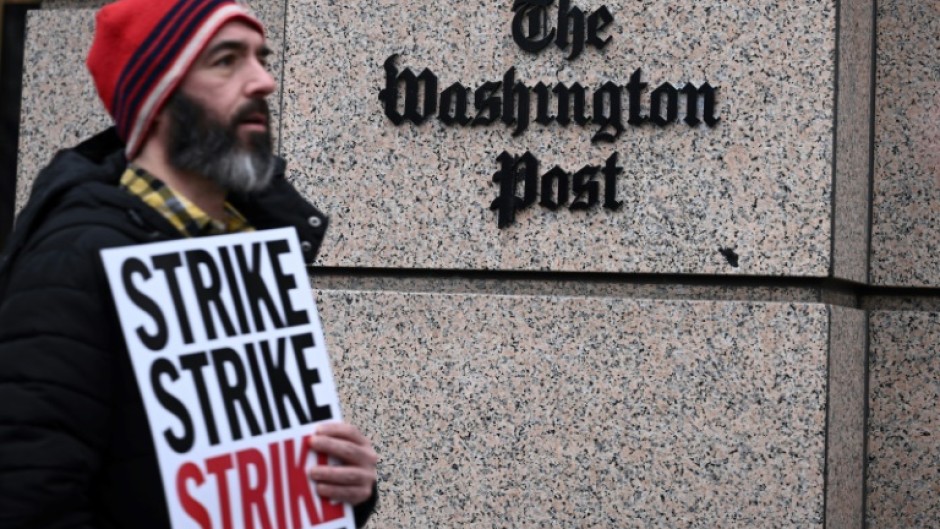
point(190, 155)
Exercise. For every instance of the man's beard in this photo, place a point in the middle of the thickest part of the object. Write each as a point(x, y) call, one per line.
point(203, 145)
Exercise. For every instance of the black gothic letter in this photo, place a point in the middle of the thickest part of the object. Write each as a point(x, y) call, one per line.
point(607, 114)
point(511, 91)
point(486, 99)
point(635, 88)
point(597, 21)
point(542, 117)
point(389, 96)
point(454, 96)
point(672, 104)
point(512, 169)
point(536, 13)
point(611, 170)
point(564, 95)
point(691, 104)
point(570, 17)
point(584, 183)
point(555, 174)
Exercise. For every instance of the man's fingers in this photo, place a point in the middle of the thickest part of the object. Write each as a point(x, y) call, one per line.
point(352, 485)
point(350, 495)
point(351, 481)
point(346, 451)
point(341, 430)
point(342, 475)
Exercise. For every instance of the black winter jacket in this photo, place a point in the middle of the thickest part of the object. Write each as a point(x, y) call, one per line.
point(75, 446)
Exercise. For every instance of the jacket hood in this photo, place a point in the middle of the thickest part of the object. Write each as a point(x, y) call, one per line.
point(98, 159)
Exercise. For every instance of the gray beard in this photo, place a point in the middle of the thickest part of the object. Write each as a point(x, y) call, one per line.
point(202, 145)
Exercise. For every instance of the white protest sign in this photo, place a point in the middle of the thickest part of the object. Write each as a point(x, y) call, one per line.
point(227, 347)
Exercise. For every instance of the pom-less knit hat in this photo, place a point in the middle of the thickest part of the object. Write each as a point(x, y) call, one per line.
point(143, 49)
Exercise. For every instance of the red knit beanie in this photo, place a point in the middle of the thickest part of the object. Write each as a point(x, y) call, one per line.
point(144, 48)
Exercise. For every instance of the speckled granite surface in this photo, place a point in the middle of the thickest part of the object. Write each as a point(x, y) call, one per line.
point(904, 423)
point(845, 469)
point(73, 4)
point(60, 106)
point(567, 288)
point(758, 184)
point(896, 303)
point(851, 181)
point(906, 223)
point(510, 411)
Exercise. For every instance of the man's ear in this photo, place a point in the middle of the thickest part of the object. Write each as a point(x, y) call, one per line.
point(154, 140)
point(159, 126)
point(159, 120)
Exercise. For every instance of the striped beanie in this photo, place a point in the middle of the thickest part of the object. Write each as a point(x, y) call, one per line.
point(143, 49)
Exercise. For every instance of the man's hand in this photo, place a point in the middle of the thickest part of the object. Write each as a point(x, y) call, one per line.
point(351, 481)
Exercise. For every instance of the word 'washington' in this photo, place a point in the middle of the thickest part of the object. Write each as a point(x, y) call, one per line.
point(415, 98)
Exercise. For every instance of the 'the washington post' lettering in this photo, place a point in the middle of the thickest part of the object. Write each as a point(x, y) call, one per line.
point(608, 109)
point(408, 97)
point(532, 32)
point(555, 186)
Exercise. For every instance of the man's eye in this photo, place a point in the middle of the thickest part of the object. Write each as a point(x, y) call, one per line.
point(225, 60)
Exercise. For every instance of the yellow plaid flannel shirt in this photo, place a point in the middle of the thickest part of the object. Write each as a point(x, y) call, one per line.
point(187, 217)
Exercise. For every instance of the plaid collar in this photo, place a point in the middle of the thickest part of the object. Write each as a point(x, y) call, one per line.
point(185, 216)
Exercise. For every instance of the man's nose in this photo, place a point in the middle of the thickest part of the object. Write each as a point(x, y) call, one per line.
point(261, 82)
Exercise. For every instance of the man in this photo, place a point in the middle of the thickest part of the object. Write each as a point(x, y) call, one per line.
point(190, 155)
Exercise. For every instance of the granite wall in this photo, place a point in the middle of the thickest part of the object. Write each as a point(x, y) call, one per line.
point(420, 196)
point(687, 348)
point(904, 425)
point(904, 449)
point(538, 411)
point(906, 206)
